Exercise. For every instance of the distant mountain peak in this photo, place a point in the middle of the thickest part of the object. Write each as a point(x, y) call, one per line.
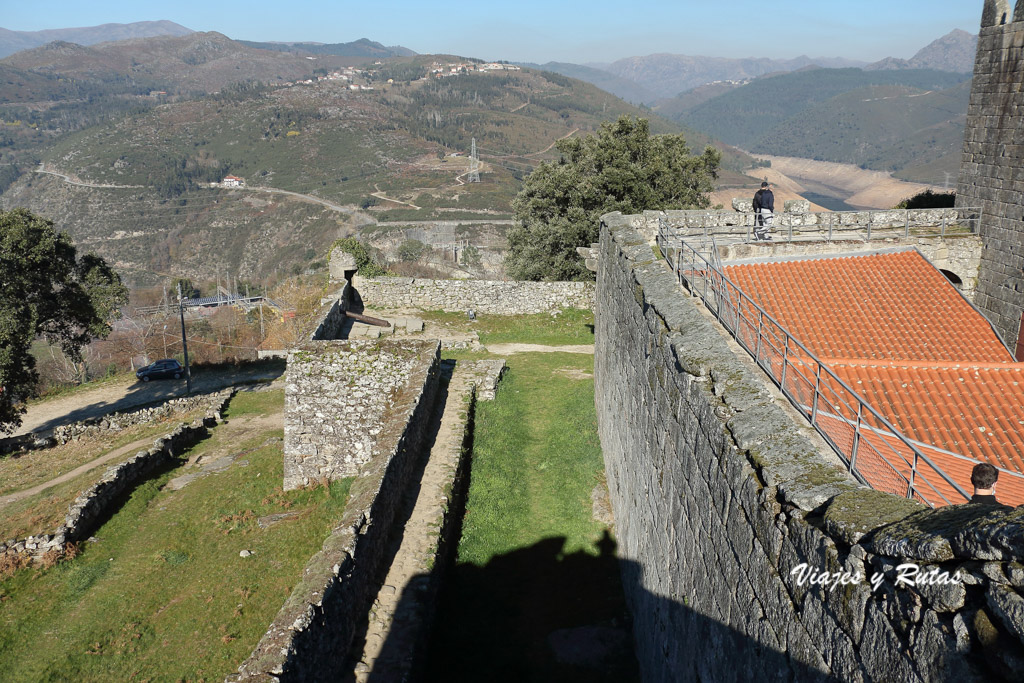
point(953, 52)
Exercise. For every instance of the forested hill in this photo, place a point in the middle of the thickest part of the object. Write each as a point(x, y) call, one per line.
point(363, 47)
point(15, 41)
point(387, 141)
point(904, 121)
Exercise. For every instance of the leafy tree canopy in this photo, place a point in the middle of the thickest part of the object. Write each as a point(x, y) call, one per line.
point(365, 261)
point(620, 168)
point(46, 290)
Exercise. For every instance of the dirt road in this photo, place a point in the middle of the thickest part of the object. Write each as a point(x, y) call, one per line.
point(122, 395)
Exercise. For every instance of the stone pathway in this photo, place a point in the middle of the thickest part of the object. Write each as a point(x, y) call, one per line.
point(400, 611)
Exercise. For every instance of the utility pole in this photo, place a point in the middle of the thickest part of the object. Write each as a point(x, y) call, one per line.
point(184, 343)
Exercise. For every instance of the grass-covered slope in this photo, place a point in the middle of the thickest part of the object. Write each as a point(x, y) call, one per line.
point(161, 592)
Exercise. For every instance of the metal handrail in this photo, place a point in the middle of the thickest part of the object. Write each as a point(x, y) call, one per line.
point(705, 277)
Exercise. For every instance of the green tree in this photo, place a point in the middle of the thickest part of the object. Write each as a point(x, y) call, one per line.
point(367, 265)
point(46, 290)
point(471, 257)
point(620, 168)
point(187, 288)
point(411, 250)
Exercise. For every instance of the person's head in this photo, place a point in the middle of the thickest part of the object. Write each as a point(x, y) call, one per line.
point(764, 185)
point(983, 477)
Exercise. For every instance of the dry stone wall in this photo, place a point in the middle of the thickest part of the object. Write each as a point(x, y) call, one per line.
point(338, 398)
point(108, 424)
point(990, 166)
point(746, 554)
point(92, 506)
point(483, 296)
point(332, 315)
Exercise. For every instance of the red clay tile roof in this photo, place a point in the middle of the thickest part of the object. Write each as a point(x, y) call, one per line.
point(894, 329)
point(893, 306)
point(970, 408)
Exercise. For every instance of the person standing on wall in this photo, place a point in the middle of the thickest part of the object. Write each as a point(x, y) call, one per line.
point(764, 206)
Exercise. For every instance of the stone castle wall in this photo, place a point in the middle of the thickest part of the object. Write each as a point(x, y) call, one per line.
point(804, 224)
point(993, 156)
point(719, 495)
point(310, 637)
point(497, 297)
point(339, 397)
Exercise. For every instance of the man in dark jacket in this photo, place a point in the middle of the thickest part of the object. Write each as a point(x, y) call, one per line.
point(983, 478)
point(764, 208)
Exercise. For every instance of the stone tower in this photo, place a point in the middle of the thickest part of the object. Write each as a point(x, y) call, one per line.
point(992, 168)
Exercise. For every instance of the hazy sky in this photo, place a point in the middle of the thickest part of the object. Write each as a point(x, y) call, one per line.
point(548, 30)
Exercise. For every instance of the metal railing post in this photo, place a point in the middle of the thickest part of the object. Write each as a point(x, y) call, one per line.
point(817, 393)
point(869, 227)
point(913, 474)
point(856, 438)
point(760, 324)
point(945, 219)
point(906, 218)
point(785, 362)
point(830, 217)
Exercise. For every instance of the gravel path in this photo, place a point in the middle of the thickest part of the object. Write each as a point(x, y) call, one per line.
point(81, 469)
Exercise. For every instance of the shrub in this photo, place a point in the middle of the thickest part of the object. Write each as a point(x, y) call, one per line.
point(929, 200)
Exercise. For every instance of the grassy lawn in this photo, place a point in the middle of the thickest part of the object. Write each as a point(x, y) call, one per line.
point(532, 560)
point(162, 593)
point(44, 511)
point(571, 326)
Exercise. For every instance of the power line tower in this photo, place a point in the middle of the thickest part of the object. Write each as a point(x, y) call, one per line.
point(474, 164)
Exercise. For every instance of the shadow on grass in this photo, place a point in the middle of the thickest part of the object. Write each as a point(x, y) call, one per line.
point(534, 614)
point(538, 615)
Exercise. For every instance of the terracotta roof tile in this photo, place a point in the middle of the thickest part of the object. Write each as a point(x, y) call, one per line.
point(887, 306)
point(895, 331)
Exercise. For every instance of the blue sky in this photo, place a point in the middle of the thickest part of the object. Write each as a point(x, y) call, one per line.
point(542, 31)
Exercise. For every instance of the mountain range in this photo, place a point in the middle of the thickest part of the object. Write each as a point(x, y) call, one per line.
point(652, 78)
point(15, 41)
point(140, 127)
point(364, 47)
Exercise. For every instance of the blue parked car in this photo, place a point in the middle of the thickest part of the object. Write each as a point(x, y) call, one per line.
point(168, 368)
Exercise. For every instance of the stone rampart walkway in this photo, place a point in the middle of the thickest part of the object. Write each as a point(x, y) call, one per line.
point(402, 608)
